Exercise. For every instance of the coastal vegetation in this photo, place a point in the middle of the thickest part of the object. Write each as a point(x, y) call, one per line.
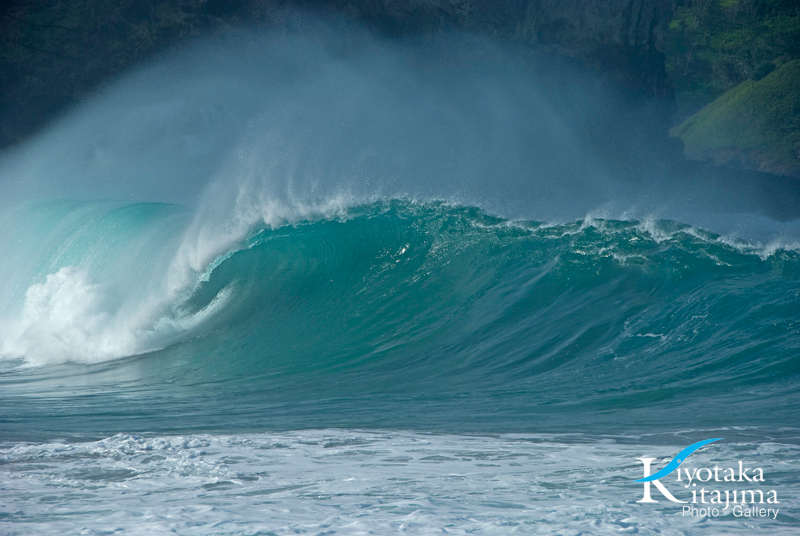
point(734, 67)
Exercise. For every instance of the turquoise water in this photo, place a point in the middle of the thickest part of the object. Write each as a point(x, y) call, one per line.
point(399, 314)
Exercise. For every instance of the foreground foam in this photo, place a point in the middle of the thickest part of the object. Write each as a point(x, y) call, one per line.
point(360, 482)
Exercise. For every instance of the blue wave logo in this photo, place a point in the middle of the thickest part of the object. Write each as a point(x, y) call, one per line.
point(678, 460)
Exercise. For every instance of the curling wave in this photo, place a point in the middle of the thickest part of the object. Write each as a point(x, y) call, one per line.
point(402, 298)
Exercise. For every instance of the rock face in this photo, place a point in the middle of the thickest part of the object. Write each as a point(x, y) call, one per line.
point(53, 54)
point(756, 124)
point(622, 38)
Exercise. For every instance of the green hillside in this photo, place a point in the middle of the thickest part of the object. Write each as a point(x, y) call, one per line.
point(735, 69)
point(757, 123)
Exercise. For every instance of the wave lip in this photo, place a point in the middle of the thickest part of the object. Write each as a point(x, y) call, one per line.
point(89, 281)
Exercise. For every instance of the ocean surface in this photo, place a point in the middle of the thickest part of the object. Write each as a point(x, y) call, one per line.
point(223, 313)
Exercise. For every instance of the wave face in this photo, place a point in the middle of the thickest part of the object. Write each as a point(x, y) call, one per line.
point(406, 314)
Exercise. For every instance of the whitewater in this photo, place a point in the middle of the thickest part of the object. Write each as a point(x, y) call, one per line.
point(316, 280)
